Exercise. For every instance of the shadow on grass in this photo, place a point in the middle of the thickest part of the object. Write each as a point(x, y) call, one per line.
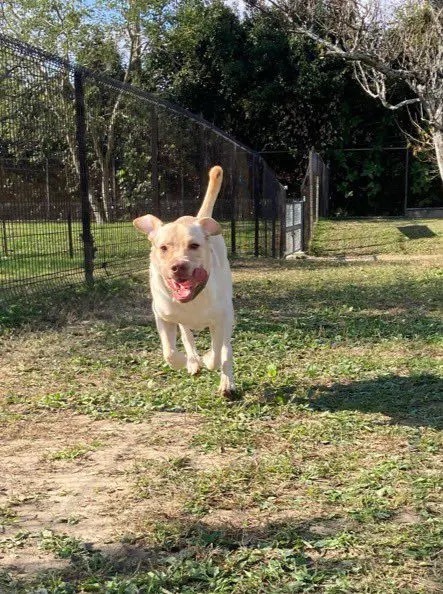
point(415, 401)
point(58, 306)
point(195, 557)
point(417, 231)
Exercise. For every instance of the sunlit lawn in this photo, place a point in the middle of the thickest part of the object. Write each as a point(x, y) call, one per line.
point(358, 237)
point(325, 475)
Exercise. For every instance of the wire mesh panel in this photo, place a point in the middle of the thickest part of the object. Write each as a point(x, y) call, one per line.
point(82, 155)
point(38, 203)
point(314, 192)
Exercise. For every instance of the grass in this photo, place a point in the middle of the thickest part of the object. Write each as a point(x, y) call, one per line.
point(324, 477)
point(361, 237)
point(78, 450)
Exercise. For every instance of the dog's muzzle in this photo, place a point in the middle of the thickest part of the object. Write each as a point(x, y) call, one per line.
point(187, 290)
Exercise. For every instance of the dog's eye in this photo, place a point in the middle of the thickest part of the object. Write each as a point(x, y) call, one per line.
point(164, 248)
point(194, 246)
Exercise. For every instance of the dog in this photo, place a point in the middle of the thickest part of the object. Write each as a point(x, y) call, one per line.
point(191, 286)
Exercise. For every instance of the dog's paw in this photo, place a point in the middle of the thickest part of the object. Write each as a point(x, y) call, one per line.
point(176, 359)
point(194, 365)
point(210, 361)
point(227, 386)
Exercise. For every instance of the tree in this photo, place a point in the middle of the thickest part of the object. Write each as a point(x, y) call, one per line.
point(397, 54)
point(251, 79)
point(76, 31)
point(198, 60)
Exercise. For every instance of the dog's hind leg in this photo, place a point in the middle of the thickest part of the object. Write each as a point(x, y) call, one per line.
point(194, 362)
point(211, 359)
point(168, 337)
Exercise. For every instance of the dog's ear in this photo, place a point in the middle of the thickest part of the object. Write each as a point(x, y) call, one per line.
point(148, 224)
point(210, 226)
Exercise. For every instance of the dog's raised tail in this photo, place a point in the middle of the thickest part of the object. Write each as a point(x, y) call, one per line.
point(214, 185)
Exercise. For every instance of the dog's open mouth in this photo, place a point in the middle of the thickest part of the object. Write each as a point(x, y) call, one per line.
point(187, 289)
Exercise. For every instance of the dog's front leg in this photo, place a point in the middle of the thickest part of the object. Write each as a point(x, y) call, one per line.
point(221, 344)
point(168, 337)
point(194, 361)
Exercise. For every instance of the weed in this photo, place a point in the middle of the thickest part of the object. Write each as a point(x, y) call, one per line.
point(75, 451)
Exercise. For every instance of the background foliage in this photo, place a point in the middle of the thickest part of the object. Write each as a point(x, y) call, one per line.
point(250, 76)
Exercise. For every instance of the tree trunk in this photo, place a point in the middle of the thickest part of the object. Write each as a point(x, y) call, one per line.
point(437, 137)
point(97, 209)
point(105, 189)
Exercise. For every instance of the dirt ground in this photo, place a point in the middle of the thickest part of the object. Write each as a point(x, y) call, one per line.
point(91, 497)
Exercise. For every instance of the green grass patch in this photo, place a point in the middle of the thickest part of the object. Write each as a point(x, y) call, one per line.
point(360, 237)
point(325, 475)
point(78, 450)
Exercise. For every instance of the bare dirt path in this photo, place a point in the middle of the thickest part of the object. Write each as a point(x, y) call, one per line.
point(50, 483)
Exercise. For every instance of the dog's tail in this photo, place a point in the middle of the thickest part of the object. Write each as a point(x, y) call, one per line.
point(215, 182)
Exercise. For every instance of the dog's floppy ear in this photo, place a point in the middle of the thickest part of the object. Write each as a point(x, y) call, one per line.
point(148, 224)
point(210, 226)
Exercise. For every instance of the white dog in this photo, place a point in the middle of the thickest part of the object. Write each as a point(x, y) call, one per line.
point(191, 286)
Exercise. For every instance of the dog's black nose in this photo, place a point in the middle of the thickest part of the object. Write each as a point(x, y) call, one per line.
point(180, 267)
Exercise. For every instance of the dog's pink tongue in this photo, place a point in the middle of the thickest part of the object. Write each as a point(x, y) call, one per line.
point(184, 290)
point(200, 275)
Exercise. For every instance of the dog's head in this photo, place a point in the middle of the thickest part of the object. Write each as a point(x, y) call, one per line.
point(181, 252)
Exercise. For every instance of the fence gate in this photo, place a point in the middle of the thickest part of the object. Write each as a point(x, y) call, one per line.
point(294, 227)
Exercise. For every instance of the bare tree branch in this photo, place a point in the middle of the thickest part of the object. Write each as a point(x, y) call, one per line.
point(393, 50)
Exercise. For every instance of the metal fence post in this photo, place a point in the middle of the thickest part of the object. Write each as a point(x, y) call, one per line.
point(203, 159)
point(154, 163)
point(233, 184)
point(87, 238)
point(311, 197)
point(4, 238)
point(70, 241)
point(405, 205)
point(256, 199)
point(282, 215)
point(274, 206)
point(325, 190)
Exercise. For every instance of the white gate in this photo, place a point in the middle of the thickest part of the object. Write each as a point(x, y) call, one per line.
point(294, 227)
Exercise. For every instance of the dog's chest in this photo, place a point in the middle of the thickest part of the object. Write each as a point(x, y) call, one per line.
point(197, 314)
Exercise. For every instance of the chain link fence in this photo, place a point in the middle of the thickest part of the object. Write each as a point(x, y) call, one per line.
point(82, 155)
